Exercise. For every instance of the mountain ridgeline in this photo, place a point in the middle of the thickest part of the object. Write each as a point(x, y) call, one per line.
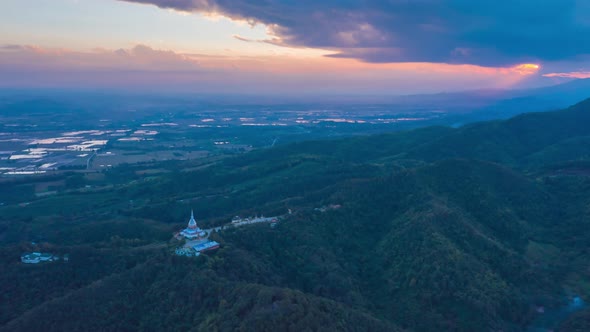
point(478, 228)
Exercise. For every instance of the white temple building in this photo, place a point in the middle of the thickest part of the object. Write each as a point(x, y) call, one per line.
point(193, 231)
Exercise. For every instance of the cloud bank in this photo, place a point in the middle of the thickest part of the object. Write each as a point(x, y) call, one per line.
point(143, 67)
point(139, 57)
point(483, 32)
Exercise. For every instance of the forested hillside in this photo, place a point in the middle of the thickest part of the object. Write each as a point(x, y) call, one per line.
point(476, 228)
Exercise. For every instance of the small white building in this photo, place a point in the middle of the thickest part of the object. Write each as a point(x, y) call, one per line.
point(36, 257)
point(237, 221)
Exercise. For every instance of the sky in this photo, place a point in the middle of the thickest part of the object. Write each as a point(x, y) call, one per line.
point(365, 47)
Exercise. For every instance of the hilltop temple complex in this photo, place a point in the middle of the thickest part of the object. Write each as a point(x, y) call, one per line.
point(192, 232)
point(196, 240)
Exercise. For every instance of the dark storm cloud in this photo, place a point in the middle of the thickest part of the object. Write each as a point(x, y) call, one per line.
point(482, 32)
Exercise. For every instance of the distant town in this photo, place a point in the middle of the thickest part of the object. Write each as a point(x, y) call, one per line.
point(96, 140)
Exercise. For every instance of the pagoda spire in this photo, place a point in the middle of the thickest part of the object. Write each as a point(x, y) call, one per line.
point(192, 223)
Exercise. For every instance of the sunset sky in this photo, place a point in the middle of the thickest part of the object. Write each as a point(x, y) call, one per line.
point(286, 46)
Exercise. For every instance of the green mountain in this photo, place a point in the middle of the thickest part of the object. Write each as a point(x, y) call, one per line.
point(478, 228)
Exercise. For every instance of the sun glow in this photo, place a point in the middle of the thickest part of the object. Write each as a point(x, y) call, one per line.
point(526, 68)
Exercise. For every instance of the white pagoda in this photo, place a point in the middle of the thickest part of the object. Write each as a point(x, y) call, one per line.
point(193, 231)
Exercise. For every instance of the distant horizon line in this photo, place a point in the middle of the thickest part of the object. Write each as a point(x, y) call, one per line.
point(155, 92)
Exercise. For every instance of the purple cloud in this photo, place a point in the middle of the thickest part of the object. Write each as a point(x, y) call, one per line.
point(486, 32)
point(10, 47)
